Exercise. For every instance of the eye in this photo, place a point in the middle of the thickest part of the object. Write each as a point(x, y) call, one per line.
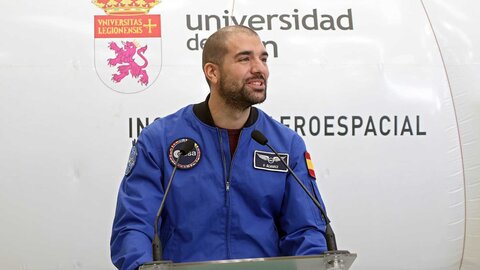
point(244, 59)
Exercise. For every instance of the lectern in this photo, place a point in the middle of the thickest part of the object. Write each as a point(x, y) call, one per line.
point(326, 261)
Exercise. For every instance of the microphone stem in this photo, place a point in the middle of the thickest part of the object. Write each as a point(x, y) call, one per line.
point(329, 234)
point(156, 244)
point(302, 185)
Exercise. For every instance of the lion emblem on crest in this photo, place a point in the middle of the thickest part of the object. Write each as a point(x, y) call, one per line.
point(126, 61)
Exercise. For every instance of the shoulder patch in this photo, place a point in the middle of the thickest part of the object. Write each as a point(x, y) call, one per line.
point(188, 161)
point(269, 161)
point(309, 163)
point(132, 158)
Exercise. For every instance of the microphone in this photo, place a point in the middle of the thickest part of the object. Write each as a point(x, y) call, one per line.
point(329, 234)
point(185, 148)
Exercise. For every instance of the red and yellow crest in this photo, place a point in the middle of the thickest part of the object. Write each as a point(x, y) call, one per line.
point(126, 7)
point(127, 44)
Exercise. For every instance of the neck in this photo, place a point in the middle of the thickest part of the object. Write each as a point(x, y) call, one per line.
point(225, 116)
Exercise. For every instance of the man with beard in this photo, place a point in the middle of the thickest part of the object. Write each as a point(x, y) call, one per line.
point(231, 198)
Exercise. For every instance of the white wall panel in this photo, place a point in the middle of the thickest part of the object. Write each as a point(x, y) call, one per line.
point(459, 41)
point(410, 197)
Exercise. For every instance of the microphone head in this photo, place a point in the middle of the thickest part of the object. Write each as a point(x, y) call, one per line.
point(186, 147)
point(259, 137)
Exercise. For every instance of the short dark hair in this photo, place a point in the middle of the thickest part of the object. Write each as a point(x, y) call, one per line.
point(215, 49)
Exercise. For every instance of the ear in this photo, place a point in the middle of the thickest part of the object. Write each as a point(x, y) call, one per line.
point(211, 71)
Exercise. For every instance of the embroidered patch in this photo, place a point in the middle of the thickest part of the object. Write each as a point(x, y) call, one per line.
point(309, 162)
point(132, 158)
point(269, 161)
point(187, 161)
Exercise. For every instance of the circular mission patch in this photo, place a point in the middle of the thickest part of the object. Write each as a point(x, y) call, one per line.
point(187, 161)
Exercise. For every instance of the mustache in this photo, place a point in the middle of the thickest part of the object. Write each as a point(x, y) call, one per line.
point(256, 77)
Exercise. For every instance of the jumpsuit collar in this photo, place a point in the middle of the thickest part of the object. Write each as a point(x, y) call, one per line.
point(202, 111)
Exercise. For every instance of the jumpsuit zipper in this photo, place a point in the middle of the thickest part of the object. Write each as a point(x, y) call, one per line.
point(227, 188)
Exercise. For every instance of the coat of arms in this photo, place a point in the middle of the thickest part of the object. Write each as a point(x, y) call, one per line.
point(128, 45)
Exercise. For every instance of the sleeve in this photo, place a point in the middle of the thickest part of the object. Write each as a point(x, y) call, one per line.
point(302, 227)
point(139, 196)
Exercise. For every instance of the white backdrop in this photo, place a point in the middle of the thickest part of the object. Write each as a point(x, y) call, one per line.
point(387, 103)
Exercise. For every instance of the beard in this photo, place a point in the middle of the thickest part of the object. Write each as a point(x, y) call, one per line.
point(238, 95)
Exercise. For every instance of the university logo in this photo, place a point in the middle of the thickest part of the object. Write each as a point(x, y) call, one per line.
point(128, 44)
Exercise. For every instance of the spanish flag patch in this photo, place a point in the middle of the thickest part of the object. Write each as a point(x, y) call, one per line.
point(309, 162)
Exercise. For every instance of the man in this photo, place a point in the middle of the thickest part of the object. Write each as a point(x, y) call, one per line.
point(230, 198)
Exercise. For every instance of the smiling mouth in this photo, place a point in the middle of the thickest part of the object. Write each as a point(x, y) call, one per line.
point(257, 83)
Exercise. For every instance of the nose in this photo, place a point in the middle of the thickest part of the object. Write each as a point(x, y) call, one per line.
point(258, 66)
